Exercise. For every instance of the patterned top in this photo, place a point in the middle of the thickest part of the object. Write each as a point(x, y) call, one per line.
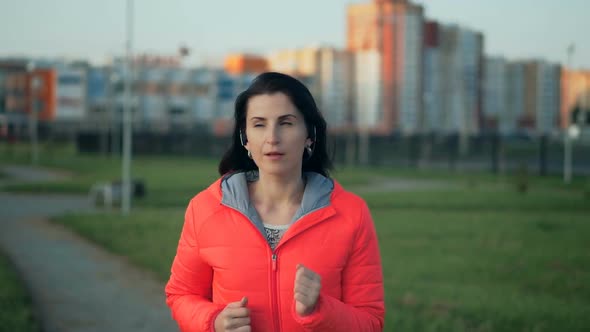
point(274, 233)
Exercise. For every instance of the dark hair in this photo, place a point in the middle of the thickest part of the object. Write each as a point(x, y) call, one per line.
point(236, 158)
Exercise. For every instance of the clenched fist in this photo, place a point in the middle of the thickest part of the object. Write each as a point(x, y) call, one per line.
point(307, 290)
point(235, 317)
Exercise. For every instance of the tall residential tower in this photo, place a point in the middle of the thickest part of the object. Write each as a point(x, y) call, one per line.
point(386, 38)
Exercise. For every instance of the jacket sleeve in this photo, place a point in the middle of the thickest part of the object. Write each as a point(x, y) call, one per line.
point(188, 292)
point(362, 307)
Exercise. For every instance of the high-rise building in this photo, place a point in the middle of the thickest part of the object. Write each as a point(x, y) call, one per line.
point(302, 63)
point(575, 95)
point(461, 70)
point(504, 96)
point(335, 86)
point(367, 91)
point(542, 98)
point(284, 61)
point(515, 86)
point(393, 29)
point(327, 72)
point(433, 83)
point(495, 94)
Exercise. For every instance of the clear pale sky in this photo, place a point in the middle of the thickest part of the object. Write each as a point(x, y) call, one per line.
point(94, 30)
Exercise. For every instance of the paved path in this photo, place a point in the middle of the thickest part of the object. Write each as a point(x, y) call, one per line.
point(23, 174)
point(384, 184)
point(75, 285)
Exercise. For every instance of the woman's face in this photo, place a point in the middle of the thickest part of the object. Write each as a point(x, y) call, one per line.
point(276, 134)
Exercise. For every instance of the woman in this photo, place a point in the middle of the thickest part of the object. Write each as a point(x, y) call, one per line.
point(275, 244)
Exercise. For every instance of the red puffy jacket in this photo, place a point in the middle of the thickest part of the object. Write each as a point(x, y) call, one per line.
point(222, 256)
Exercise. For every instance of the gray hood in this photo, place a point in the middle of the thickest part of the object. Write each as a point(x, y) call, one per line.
point(234, 194)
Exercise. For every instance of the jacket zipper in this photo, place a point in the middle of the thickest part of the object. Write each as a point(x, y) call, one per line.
point(273, 277)
point(274, 281)
point(274, 292)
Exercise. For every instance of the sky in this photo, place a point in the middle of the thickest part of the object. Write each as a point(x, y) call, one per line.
point(95, 30)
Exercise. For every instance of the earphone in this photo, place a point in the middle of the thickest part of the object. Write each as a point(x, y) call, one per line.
point(242, 140)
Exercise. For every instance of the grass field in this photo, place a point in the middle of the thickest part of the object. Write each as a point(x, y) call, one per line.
point(477, 256)
point(15, 304)
point(490, 266)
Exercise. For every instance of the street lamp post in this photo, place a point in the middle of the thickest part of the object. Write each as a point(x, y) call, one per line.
point(113, 82)
point(365, 144)
point(127, 117)
point(567, 139)
point(34, 84)
point(364, 135)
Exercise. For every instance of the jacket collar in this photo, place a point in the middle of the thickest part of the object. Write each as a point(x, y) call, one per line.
point(234, 193)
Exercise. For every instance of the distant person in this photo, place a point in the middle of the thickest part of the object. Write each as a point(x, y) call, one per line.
point(275, 244)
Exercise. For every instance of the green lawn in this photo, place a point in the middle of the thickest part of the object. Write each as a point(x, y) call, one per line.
point(490, 266)
point(479, 256)
point(15, 304)
point(172, 180)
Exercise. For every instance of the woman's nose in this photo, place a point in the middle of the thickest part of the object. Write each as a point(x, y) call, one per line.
point(273, 135)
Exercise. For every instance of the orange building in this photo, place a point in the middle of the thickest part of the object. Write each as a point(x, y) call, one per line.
point(575, 93)
point(393, 28)
point(245, 63)
point(23, 90)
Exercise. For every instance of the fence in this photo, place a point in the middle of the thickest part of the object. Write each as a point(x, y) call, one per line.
point(493, 153)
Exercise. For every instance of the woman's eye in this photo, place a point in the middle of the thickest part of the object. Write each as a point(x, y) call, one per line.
point(287, 123)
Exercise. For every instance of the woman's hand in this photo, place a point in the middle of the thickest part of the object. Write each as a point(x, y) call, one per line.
point(307, 290)
point(235, 317)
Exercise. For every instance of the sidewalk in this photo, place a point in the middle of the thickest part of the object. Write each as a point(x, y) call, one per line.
point(75, 285)
point(25, 174)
